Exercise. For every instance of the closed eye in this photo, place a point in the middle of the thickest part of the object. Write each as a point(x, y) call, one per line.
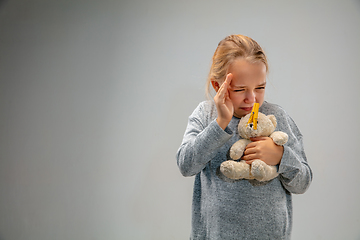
point(239, 90)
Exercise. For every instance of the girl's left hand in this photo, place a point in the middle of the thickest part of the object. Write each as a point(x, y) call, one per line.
point(265, 149)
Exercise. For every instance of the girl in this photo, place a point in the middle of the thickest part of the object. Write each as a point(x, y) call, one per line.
point(242, 209)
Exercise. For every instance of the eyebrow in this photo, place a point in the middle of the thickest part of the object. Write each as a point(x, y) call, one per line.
point(260, 85)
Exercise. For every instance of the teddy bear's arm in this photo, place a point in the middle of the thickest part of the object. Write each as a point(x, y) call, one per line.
point(237, 149)
point(279, 138)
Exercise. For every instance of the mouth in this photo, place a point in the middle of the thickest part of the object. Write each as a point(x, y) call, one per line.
point(246, 109)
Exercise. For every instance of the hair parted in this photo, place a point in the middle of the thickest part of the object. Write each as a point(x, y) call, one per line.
point(229, 49)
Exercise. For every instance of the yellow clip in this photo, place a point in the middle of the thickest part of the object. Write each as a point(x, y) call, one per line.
point(254, 115)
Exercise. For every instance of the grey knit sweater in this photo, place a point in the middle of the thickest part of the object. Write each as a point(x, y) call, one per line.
point(242, 209)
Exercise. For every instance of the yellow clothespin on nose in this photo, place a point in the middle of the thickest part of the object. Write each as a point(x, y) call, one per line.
point(254, 115)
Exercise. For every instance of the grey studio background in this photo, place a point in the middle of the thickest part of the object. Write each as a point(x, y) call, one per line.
point(95, 96)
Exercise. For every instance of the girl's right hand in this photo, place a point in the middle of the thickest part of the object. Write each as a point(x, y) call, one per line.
point(224, 105)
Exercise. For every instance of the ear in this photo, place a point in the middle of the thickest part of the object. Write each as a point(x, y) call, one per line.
point(273, 120)
point(215, 85)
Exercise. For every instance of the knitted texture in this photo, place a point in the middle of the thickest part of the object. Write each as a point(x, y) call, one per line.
point(240, 209)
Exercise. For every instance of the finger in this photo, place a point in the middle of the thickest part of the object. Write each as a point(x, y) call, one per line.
point(255, 139)
point(225, 85)
point(251, 145)
point(223, 90)
point(250, 150)
point(229, 78)
point(221, 93)
point(250, 157)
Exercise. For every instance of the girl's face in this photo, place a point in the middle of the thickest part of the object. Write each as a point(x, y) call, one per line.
point(247, 86)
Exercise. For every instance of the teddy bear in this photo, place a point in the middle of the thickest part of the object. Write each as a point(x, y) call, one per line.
point(263, 126)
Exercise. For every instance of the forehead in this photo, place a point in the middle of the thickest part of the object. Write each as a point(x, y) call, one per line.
point(243, 67)
point(245, 72)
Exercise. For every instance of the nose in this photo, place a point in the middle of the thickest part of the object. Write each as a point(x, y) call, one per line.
point(250, 97)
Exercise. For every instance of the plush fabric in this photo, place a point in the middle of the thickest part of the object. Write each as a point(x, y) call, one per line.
point(258, 169)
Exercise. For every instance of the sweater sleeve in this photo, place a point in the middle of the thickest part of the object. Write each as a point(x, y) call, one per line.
point(200, 142)
point(295, 172)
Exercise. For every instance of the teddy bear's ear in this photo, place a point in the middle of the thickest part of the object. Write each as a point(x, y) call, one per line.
point(273, 120)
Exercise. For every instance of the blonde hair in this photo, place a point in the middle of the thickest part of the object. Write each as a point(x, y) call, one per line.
point(229, 49)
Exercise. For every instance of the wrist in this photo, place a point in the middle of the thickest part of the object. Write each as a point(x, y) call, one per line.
point(222, 123)
point(281, 149)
